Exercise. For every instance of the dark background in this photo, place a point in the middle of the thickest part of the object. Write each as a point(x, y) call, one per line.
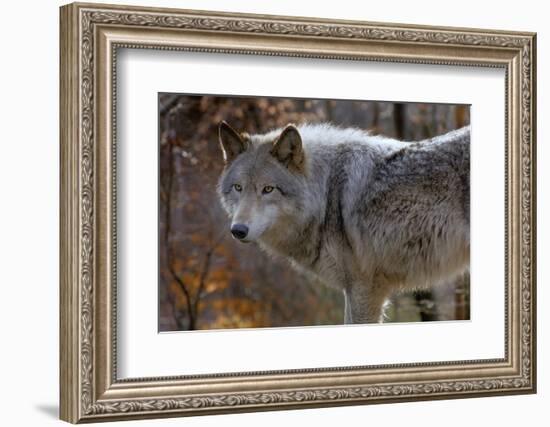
point(209, 281)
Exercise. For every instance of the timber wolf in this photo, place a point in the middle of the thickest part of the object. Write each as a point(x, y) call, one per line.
point(366, 214)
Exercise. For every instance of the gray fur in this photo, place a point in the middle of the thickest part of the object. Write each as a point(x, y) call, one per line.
point(366, 214)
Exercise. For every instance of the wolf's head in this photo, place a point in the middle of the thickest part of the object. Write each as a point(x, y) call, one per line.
point(262, 182)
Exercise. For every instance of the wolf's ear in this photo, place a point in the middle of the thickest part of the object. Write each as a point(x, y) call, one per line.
point(288, 149)
point(231, 143)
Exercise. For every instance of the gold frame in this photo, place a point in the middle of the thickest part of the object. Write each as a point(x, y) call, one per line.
point(90, 36)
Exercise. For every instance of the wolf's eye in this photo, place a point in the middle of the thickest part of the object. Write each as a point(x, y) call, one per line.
point(267, 189)
point(237, 187)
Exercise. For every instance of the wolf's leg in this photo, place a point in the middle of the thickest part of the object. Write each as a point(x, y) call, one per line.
point(362, 306)
point(347, 309)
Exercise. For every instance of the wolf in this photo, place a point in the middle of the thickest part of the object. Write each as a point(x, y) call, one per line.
point(366, 214)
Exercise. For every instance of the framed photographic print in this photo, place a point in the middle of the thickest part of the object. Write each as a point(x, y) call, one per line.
point(266, 212)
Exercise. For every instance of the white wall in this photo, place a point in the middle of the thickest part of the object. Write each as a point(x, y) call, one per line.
point(29, 170)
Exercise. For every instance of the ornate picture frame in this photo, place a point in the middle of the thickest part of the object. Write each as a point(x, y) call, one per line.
point(90, 37)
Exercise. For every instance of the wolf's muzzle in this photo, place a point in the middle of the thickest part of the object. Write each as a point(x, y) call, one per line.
point(239, 231)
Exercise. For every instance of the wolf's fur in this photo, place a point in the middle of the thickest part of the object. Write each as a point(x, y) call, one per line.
point(366, 214)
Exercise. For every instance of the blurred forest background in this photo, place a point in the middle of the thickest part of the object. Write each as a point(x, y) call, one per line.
point(207, 280)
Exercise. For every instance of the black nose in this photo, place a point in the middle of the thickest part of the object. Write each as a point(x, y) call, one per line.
point(239, 231)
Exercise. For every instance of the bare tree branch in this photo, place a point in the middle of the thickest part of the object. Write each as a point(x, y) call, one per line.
point(204, 273)
point(168, 244)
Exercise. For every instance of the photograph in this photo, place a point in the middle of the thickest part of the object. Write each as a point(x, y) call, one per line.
point(267, 211)
point(289, 212)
